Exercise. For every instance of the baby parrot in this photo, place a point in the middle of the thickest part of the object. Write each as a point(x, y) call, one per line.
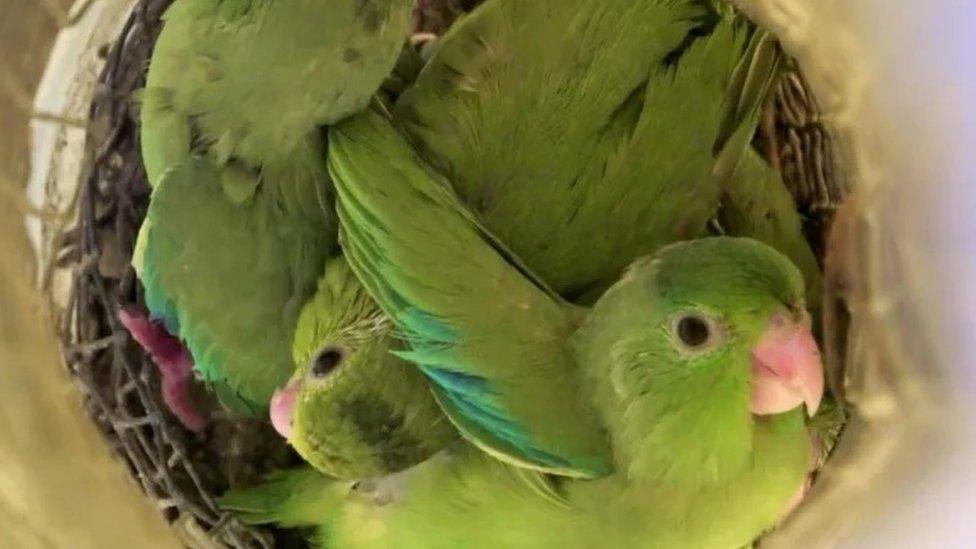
point(240, 221)
point(681, 390)
point(353, 409)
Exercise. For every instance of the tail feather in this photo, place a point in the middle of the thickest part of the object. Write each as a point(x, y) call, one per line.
point(290, 498)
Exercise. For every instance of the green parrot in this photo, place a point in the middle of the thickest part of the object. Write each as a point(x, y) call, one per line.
point(240, 221)
point(670, 414)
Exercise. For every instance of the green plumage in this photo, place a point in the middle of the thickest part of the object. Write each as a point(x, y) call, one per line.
point(466, 499)
point(758, 205)
point(582, 125)
point(755, 202)
point(241, 218)
point(501, 135)
point(291, 498)
point(250, 79)
point(282, 499)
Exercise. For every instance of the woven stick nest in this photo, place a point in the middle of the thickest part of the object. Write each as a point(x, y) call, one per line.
point(183, 473)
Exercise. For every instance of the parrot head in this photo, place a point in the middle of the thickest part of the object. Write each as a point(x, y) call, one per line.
point(693, 350)
point(353, 409)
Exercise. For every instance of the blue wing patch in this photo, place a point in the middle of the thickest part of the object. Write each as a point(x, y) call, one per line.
point(467, 394)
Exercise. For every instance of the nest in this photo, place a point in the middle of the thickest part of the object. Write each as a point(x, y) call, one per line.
point(183, 473)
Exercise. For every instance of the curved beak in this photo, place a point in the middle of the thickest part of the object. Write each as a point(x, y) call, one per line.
point(283, 407)
point(786, 368)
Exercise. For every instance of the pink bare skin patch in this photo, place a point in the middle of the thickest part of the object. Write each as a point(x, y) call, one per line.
point(786, 368)
point(174, 362)
point(283, 407)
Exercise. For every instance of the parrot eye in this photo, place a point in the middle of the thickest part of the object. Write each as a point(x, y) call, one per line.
point(695, 332)
point(327, 360)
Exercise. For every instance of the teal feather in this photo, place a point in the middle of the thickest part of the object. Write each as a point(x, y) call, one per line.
point(468, 394)
point(425, 326)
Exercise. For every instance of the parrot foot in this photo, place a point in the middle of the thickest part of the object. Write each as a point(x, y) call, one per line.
point(174, 363)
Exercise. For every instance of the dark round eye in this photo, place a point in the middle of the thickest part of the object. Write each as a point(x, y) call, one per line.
point(327, 360)
point(693, 331)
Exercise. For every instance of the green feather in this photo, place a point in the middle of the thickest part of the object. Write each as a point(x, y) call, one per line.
point(604, 112)
point(295, 498)
point(291, 498)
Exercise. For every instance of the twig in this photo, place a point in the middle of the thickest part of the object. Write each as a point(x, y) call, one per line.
point(62, 119)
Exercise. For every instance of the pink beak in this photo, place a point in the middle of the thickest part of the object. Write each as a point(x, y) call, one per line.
point(786, 369)
point(283, 407)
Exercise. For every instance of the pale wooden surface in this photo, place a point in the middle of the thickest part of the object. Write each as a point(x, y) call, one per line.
point(59, 486)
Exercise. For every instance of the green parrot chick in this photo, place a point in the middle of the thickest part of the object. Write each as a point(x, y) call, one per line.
point(354, 409)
